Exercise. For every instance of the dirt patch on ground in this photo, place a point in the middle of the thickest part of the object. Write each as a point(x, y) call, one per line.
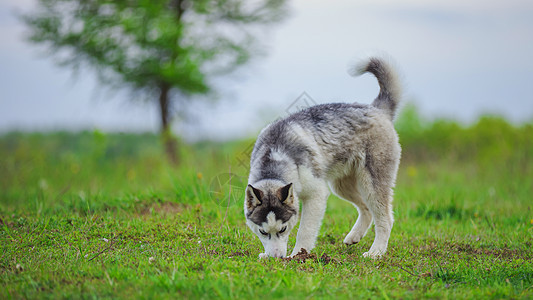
point(163, 208)
point(498, 252)
point(303, 255)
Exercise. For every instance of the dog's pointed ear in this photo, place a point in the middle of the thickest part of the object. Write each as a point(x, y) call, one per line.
point(253, 197)
point(286, 194)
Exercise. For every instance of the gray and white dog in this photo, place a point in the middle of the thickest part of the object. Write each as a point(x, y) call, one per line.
point(353, 148)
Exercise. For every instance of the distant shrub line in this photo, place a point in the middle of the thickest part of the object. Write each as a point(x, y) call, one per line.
point(491, 139)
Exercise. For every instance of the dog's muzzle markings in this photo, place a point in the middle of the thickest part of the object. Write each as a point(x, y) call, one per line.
point(350, 149)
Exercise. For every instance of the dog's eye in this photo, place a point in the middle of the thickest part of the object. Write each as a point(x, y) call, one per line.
point(263, 232)
point(283, 229)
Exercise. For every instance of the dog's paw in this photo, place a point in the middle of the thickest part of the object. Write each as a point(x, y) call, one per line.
point(263, 256)
point(352, 238)
point(373, 254)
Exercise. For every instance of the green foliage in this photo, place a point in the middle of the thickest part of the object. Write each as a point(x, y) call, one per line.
point(491, 140)
point(97, 215)
point(145, 44)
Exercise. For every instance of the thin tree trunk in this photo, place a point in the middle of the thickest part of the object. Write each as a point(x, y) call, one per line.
point(169, 141)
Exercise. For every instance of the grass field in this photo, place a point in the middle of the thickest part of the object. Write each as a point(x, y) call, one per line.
point(94, 215)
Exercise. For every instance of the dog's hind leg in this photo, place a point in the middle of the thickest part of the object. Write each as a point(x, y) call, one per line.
point(376, 192)
point(381, 209)
point(346, 188)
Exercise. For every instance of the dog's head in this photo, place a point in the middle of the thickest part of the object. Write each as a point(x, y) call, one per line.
point(271, 210)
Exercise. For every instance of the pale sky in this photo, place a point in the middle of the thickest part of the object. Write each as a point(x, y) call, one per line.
point(458, 59)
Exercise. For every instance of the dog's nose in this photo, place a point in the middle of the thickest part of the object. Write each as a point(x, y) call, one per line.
point(278, 254)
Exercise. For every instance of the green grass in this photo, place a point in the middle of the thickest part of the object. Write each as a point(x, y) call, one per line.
point(93, 215)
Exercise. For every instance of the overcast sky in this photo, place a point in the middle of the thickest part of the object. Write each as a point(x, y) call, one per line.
point(458, 59)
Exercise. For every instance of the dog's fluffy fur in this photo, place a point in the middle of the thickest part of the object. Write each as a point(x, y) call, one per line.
point(353, 148)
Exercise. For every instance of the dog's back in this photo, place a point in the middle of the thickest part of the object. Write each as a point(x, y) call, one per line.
point(329, 138)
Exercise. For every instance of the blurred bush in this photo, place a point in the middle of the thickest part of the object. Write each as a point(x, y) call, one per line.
point(491, 141)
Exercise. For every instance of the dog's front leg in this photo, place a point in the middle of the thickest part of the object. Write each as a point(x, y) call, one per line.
point(313, 209)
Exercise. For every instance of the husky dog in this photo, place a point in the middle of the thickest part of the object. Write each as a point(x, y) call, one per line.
point(353, 148)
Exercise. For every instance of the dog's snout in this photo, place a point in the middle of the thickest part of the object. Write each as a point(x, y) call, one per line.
point(277, 254)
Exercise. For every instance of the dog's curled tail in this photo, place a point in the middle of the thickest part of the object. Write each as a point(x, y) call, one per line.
point(390, 91)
